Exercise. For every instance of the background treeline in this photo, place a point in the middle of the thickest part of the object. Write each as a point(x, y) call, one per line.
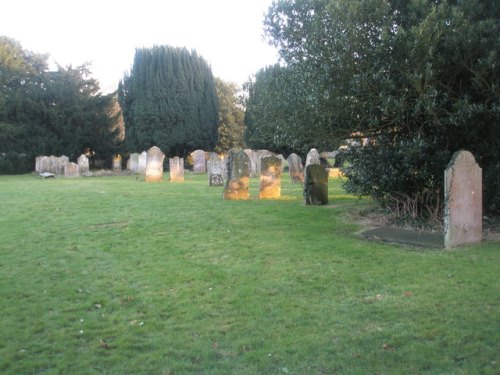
point(417, 79)
point(46, 112)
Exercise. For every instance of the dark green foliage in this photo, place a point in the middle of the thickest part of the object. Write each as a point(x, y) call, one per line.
point(419, 78)
point(169, 100)
point(231, 116)
point(49, 112)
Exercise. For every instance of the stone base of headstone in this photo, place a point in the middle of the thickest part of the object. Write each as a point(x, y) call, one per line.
point(316, 185)
point(237, 189)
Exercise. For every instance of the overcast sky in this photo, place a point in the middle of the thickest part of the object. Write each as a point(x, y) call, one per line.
point(227, 33)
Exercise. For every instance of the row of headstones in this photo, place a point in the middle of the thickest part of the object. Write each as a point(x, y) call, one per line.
point(61, 166)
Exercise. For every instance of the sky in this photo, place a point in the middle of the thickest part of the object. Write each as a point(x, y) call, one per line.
point(228, 34)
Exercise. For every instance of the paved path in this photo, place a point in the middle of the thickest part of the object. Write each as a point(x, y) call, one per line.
point(405, 236)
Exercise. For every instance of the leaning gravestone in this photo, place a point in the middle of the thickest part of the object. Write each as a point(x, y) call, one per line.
point(215, 171)
point(238, 175)
point(270, 177)
point(176, 166)
point(71, 170)
point(83, 164)
point(143, 160)
point(463, 205)
point(295, 169)
point(313, 157)
point(117, 163)
point(316, 185)
point(134, 163)
point(154, 165)
point(198, 161)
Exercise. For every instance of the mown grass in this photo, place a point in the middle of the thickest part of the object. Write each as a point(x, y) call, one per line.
point(113, 275)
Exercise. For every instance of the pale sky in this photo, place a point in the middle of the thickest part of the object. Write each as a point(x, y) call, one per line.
point(227, 33)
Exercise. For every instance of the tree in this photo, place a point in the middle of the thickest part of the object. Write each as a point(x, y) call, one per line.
point(169, 100)
point(418, 78)
point(50, 112)
point(231, 116)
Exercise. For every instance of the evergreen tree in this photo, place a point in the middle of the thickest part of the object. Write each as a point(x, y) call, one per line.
point(169, 100)
point(231, 116)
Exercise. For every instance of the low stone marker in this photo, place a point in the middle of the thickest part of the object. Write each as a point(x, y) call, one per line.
point(143, 160)
point(270, 177)
point(117, 163)
point(316, 185)
point(71, 170)
point(463, 201)
point(199, 165)
point(176, 166)
point(83, 164)
point(295, 169)
point(134, 163)
point(154, 165)
point(46, 175)
point(215, 171)
point(238, 175)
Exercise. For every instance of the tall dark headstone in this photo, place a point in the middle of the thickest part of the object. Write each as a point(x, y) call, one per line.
point(316, 185)
point(238, 176)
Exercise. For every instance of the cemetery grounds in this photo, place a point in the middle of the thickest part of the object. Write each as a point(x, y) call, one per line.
point(112, 275)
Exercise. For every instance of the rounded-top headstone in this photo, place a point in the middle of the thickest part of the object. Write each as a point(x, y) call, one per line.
point(154, 165)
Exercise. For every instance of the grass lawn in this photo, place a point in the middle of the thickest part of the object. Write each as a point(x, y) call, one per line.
point(113, 275)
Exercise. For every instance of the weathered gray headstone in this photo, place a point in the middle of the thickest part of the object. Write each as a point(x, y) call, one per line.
point(117, 163)
point(295, 168)
point(71, 170)
point(215, 171)
point(176, 166)
point(154, 165)
point(83, 164)
point(463, 194)
point(134, 163)
point(261, 154)
point(270, 177)
point(43, 164)
point(316, 185)
point(53, 164)
point(238, 175)
point(198, 157)
point(283, 160)
point(143, 160)
point(253, 158)
point(60, 163)
point(37, 163)
point(313, 157)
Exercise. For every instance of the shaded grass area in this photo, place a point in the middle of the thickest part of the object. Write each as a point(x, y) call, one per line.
point(113, 275)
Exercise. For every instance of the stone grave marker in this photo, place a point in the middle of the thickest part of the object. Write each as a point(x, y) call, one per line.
point(253, 158)
point(295, 169)
point(83, 164)
point(43, 164)
point(154, 165)
point(134, 163)
point(176, 166)
point(199, 165)
point(60, 163)
point(215, 171)
point(261, 154)
point(270, 177)
point(316, 185)
point(117, 163)
point(313, 157)
point(71, 170)
point(463, 201)
point(238, 176)
point(143, 160)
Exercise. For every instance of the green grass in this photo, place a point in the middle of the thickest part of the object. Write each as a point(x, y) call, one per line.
point(113, 275)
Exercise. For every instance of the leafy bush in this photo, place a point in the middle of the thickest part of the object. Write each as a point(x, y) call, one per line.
point(15, 163)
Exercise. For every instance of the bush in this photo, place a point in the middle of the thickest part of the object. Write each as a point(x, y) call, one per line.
point(15, 163)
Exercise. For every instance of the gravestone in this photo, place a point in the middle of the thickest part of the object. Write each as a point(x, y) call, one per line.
point(463, 201)
point(295, 168)
point(316, 185)
point(71, 170)
point(215, 171)
point(283, 160)
point(270, 177)
point(176, 166)
point(83, 164)
point(261, 154)
point(117, 163)
point(253, 158)
point(37, 164)
point(313, 157)
point(134, 163)
point(143, 160)
point(238, 175)
point(53, 164)
point(60, 163)
point(198, 157)
point(43, 164)
point(154, 165)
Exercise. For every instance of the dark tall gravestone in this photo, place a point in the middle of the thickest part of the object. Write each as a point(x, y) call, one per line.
point(238, 176)
point(463, 199)
point(270, 177)
point(316, 185)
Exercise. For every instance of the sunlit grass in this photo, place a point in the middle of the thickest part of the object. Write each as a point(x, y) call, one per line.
point(114, 275)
